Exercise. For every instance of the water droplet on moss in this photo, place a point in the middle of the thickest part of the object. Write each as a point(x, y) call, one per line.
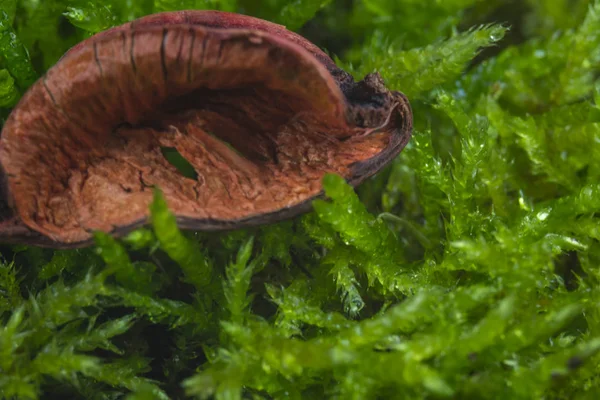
point(542, 215)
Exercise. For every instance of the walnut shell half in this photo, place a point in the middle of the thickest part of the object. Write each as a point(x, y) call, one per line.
point(259, 112)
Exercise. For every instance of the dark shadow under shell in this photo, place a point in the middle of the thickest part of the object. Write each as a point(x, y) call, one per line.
point(260, 113)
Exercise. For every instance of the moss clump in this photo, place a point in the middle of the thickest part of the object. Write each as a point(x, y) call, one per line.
point(467, 269)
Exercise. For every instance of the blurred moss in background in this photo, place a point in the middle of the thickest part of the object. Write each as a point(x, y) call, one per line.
point(469, 268)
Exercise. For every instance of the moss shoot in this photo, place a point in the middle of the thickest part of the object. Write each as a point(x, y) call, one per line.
point(467, 269)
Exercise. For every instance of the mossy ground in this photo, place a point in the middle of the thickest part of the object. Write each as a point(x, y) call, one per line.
point(469, 268)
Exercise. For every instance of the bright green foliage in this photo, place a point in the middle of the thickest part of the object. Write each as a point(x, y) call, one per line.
point(13, 54)
point(46, 337)
point(169, 5)
point(137, 278)
point(8, 91)
point(10, 292)
point(419, 70)
point(365, 239)
point(91, 16)
point(544, 72)
point(10, 8)
point(295, 13)
point(582, 61)
point(37, 26)
point(181, 249)
point(238, 276)
point(557, 15)
point(418, 22)
point(468, 268)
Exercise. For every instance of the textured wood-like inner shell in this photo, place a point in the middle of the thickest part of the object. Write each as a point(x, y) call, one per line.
point(259, 112)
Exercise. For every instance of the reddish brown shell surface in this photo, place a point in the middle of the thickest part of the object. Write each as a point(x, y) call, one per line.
point(258, 111)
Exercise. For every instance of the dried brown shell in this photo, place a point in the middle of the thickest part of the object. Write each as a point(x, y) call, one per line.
point(261, 114)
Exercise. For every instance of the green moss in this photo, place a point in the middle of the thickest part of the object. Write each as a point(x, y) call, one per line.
point(468, 268)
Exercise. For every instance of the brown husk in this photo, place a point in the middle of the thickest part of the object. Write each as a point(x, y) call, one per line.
point(260, 113)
